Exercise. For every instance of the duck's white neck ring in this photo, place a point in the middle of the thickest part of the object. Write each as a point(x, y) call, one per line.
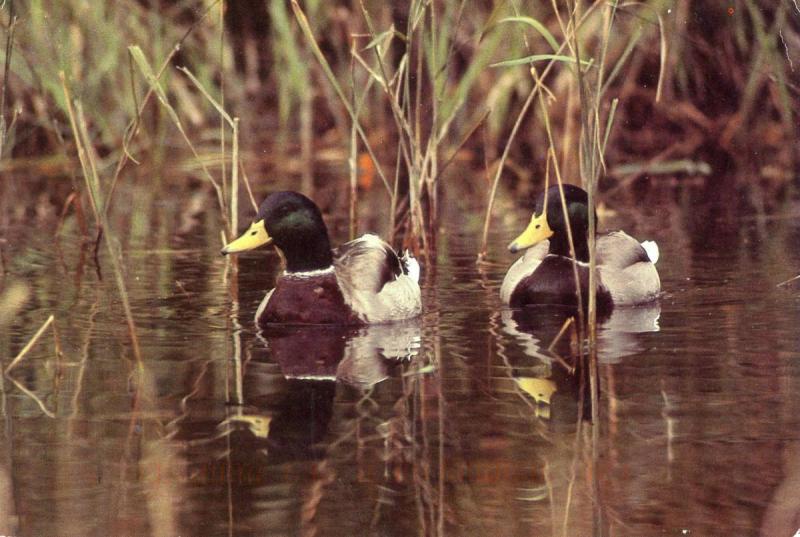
point(309, 273)
point(577, 261)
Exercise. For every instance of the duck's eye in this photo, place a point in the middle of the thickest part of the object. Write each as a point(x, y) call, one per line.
point(538, 226)
point(253, 232)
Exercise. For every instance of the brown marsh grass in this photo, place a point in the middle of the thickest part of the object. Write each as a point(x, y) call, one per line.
point(419, 85)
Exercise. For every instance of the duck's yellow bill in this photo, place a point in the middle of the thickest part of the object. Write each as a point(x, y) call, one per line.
point(537, 231)
point(254, 237)
point(541, 389)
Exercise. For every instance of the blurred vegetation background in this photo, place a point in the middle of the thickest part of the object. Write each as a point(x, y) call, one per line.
point(687, 88)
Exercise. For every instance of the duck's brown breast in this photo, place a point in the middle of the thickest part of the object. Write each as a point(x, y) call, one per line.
point(308, 300)
point(553, 283)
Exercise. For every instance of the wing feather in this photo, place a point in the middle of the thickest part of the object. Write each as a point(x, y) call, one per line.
point(619, 250)
point(368, 263)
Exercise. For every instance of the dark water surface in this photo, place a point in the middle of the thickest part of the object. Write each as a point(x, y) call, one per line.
point(460, 423)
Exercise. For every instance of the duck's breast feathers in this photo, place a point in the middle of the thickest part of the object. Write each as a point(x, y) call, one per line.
point(369, 263)
point(307, 298)
point(553, 283)
point(522, 267)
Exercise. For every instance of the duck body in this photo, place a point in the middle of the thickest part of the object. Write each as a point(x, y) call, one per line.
point(540, 278)
point(545, 274)
point(362, 282)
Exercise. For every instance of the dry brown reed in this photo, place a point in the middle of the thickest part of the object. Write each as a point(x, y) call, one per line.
point(21, 354)
point(6, 127)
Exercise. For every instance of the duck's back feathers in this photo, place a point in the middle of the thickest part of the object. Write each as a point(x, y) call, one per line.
point(372, 259)
point(627, 268)
point(379, 285)
point(619, 250)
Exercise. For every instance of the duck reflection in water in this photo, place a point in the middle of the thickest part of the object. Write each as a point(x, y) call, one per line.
point(558, 381)
point(280, 429)
point(356, 356)
point(315, 360)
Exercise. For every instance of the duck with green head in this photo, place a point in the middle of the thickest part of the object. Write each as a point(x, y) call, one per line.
point(362, 282)
point(545, 274)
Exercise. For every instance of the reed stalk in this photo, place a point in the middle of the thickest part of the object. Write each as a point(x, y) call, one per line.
point(155, 85)
point(500, 166)
point(234, 176)
point(35, 398)
point(28, 346)
point(133, 126)
point(233, 124)
point(222, 133)
point(352, 161)
point(552, 61)
point(92, 180)
point(326, 68)
point(4, 126)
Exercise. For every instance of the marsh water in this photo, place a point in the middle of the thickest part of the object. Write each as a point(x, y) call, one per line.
point(470, 421)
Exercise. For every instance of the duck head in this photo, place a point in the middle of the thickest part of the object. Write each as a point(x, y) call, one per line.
point(549, 223)
point(293, 223)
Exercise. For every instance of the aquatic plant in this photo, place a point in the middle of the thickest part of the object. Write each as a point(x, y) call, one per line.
point(417, 80)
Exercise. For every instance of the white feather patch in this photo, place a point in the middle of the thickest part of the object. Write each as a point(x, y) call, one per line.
point(652, 250)
point(310, 273)
point(263, 305)
point(412, 265)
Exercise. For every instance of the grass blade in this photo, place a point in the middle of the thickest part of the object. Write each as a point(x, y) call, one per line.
point(220, 109)
point(540, 57)
point(609, 123)
point(536, 25)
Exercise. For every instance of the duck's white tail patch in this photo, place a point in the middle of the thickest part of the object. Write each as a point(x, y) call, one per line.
point(652, 250)
point(411, 264)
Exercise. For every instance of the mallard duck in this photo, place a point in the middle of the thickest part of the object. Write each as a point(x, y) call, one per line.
point(626, 269)
point(362, 282)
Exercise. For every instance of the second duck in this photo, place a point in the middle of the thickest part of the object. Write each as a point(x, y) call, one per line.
point(545, 274)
